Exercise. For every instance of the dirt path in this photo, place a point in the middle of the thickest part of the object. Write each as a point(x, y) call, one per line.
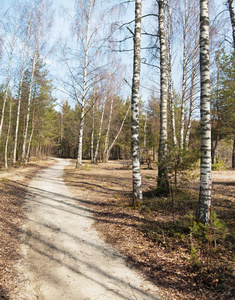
point(63, 256)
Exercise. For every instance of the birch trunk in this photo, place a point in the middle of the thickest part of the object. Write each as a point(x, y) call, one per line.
point(100, 131)
point(92, 134)
point(31, 85)
point(192, 89)
point(182, 118)
point(145, 126)
point(232, 18)
point(8, 134)
point(32, 131)
point(170, 82)
point(163, 183)
point(8, 76)
point(84, 91)
point(135, 149)
point(106, 143)
point(204, 203)
point(233, 155)
point(20, 94)
point(30, 141)
point(116, 137)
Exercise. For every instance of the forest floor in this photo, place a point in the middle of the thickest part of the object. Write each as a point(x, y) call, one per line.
point(184, 261)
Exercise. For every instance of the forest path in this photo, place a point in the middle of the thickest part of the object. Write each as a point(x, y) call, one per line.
point(63, 256)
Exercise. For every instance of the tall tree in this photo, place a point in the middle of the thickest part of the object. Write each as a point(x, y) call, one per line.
point(170, 81)
point(135, 149)
point(163, 183)
point(183, 100)
point(204, 203)
point(84, 85)
point(9, 71)
point(192, 87)
point(20, 86)
point(35, 57)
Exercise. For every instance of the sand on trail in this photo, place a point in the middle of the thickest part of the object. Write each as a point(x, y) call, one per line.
point(63, 256)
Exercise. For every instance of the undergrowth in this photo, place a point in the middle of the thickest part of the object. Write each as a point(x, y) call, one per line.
point(209, 247)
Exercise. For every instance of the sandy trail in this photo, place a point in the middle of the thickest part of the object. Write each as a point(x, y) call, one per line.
point(63, 256)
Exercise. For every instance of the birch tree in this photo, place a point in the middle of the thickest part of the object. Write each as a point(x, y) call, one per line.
point(182, 118)
point(35, 56)
point(100, 129)
point(106, 143)
point(20, 87)
point(163, 183)
point(170, 82)
point(8, 135)
point(204, 203)
point(135, 150)
point(9, 72)
point(192, 87)
point(84, 87)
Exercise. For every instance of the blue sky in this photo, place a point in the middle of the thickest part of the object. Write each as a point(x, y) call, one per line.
point(61, 27)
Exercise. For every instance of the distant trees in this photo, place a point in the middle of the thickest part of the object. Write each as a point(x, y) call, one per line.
point(27, 90)
point(98, 125)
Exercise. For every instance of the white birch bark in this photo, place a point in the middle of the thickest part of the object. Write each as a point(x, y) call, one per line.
point(100, 131)
point(20, 93)
point(31, 82)
point(117, 135)
point(136, 174)
point(8, 76)
point(204, 203)
point(32, 131)
point(106, 143)
point(92, 134)
point(182, 117)
point(192, 88)
point(84, 91)
point(170, 82)
point(145, 126)
point(8, 135)
point(163, 184)
point(232, 18)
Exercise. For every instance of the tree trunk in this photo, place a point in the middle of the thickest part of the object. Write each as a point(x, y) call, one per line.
point(84, 91)
point(233, 156)
point(163, 183)
point(182, 118)
point(145, 126)
point(31, 84)
point(135, 149)
point(92, 134)
point(192, 88)
point(8, 134)
point(232, 18)
point(8, 76)
point(213, 150)
point(170, 82)
point(100, 131)
point(20, 92)
point(32, 131)
point(204, 203)
point(106, 144)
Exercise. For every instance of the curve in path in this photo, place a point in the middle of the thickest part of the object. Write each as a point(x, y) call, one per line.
point(63, 256)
